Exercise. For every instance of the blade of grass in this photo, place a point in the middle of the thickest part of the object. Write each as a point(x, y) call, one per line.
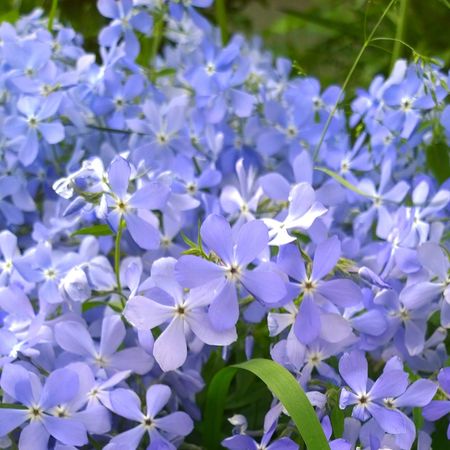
point(396, 52)
point(282, 384)
point(52, 14)
point(221, 17)
point(342, 181)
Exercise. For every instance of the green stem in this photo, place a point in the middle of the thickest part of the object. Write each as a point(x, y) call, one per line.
point(52, 14)
point(400, 32)
point(349, 76)
point(221, 17)
point(117, 258)
point(158, 32)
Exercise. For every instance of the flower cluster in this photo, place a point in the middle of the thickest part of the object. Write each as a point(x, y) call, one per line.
point(157, 206)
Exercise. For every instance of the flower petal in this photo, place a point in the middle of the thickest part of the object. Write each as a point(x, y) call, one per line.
point(157, 397)
point(170, 349)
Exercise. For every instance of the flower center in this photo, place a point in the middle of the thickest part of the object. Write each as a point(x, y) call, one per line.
point(148, 423)
point(162, 138)
point(210, 68)
point(50, 274)
point(233, 272)
point(101, 361)
point(308, 286)
point(35, 413)
point(363, 400)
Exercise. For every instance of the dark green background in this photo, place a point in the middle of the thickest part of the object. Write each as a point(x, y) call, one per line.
point(321, 36)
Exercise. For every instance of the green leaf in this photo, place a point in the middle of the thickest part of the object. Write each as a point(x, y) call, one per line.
point(98, 303)
point(342, 181)
point(52, 14)
point(418, 418)
point(316, 18)
point(438, 157)
point(95, 230)
point(11, 406)
point(222, 21)
point(282, 384)
point(11, 16)
point(166, 72)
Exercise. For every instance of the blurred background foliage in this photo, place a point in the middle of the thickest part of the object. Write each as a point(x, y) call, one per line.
point(322, 37)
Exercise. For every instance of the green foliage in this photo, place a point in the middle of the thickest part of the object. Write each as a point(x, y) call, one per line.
point(94, 230)
point(342, 181)
point(281, 383)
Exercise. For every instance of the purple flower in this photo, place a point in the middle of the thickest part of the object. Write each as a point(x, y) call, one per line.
point(125, 19)
point(440, 408)
point(311, 322)
point(23, 129)
point(42, 406)
point(184, 313)
point(233, 254)
point(46, 267)
point(161, 430)
point(74, 338)
point(131, 207)
point(368, 398)
point(303, 211)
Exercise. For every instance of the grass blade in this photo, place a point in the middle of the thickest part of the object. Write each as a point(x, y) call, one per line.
point(342, 181)
point(281, 383)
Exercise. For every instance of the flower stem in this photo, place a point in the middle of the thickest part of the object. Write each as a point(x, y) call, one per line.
point(400, 32)
point(117, 257)
point(221, 17)
point(347, 79)
point(52, 14)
